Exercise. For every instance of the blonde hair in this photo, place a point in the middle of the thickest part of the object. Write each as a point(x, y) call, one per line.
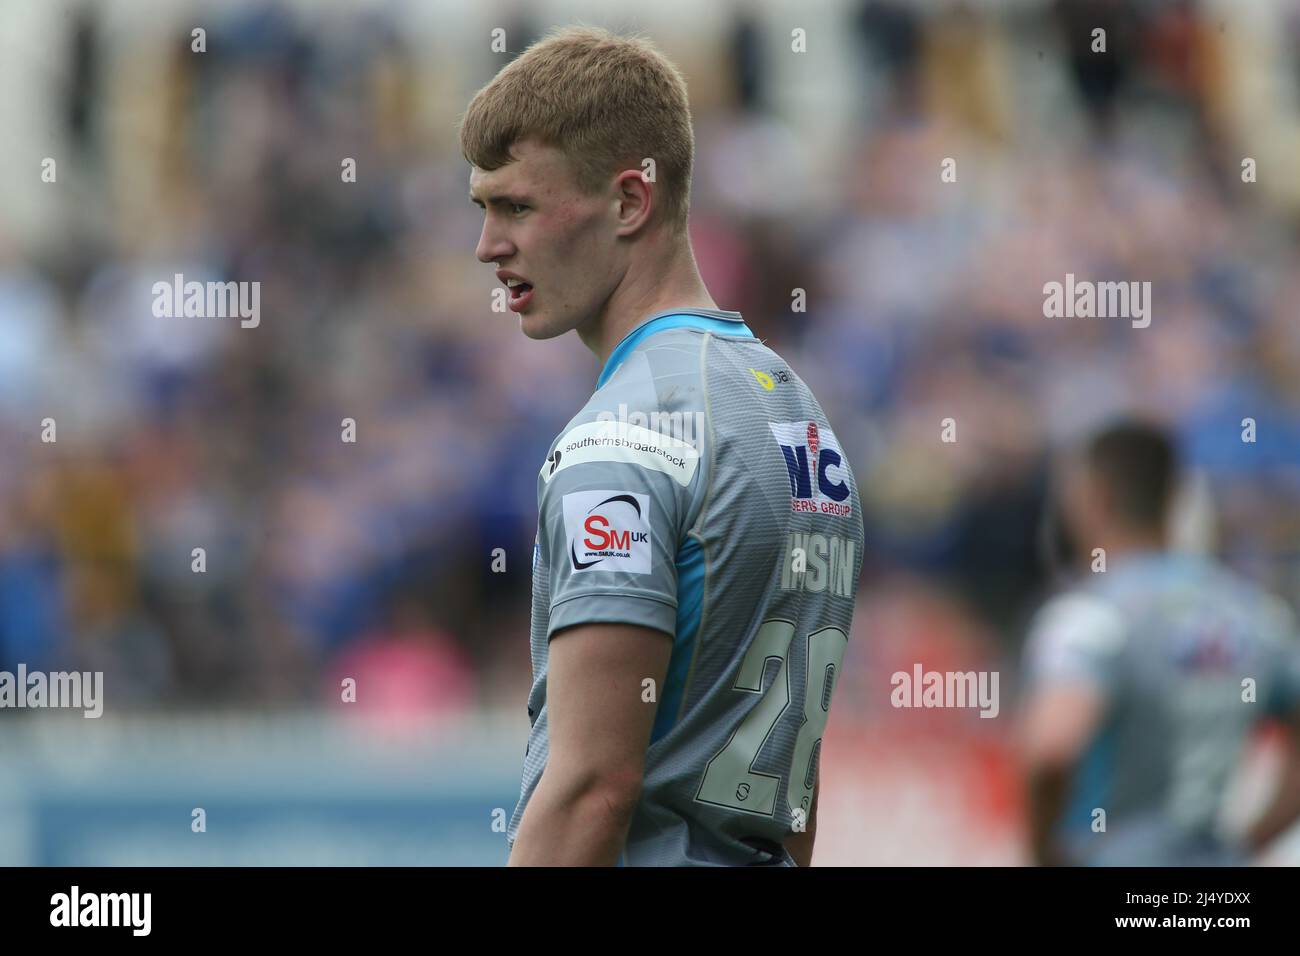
point(606, 101)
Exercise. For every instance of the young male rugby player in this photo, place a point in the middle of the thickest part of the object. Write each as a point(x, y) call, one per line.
point(693, 588)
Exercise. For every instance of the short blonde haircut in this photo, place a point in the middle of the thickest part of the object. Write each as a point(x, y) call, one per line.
point(606, 101)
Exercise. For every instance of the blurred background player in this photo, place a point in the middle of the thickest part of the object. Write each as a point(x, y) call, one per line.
point(1146, 679)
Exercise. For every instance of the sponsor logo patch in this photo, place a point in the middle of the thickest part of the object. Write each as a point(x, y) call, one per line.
point(768, 380)
point(608, 531)
point(623, 442)
point(815, 464)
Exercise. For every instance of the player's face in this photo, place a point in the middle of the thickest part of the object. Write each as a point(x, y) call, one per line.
point(539, 227)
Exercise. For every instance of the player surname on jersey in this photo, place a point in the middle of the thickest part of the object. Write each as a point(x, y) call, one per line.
point(818, 562)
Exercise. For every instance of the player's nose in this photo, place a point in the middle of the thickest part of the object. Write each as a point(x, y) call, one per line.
point(492, 245)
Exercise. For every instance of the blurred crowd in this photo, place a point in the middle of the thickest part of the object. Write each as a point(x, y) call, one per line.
point(325, 558)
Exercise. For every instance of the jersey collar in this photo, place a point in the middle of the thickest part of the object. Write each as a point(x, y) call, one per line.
point(717, 322)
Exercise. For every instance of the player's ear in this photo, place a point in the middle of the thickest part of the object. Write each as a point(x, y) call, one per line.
point(635, 197)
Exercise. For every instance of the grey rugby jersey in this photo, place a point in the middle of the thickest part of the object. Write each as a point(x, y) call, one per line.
point(1189, 659)
point(701, 492)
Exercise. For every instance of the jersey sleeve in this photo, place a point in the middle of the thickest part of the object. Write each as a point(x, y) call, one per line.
point(616, 499)
point(1075, 639)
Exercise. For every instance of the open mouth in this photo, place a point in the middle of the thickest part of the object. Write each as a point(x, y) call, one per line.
point(521, 293)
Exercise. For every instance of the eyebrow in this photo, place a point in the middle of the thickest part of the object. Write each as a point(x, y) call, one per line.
point(500, 199)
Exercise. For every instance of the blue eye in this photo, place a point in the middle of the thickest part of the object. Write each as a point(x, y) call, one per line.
point(517, 207)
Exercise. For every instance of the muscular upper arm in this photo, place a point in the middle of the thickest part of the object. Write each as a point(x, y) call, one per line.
point(600, 710)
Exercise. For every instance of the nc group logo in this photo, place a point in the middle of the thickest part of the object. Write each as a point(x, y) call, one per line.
point(815, 464)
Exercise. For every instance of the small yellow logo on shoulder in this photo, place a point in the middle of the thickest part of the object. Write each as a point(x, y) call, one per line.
point(764, 379)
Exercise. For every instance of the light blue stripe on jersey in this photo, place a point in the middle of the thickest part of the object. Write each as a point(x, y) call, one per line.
point(690, 604)
point(1093, 780)
point(663, 322)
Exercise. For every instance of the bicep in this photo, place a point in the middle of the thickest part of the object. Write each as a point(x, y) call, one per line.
point(603, 681)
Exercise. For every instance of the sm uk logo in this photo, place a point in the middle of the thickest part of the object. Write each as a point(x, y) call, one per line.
point(608, 531)
point(815, 465)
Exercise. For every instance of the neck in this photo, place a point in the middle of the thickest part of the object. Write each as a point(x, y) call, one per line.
point(660, 284)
